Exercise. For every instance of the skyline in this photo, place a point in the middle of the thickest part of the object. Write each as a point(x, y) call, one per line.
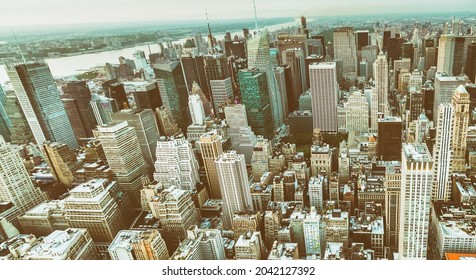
point(51, 12)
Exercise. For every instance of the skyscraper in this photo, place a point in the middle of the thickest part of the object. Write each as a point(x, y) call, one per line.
point(470, 68)
point(446, 49)
point(324, 96)
point(14, 119)
point(259, 57)
point(80, 93)
point(346, 49)
point(389, 138)
point(234, 185)
point(138, 245)
point(393, 186)
point(255, 96)
point(442, 153)
point(222, 93)
point(210, 149)
point(381, 83)
point(417, 178)
point(41, 103)
point(122, 149)
point(460, 105)
point(61, 161)
point(176, 163)
point(444, 89)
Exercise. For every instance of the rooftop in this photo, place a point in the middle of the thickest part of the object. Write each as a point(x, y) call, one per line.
point(417, 152)
point(57, 245)
point(456, 219)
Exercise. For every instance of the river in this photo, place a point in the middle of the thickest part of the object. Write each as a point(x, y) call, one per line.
point(71, 65)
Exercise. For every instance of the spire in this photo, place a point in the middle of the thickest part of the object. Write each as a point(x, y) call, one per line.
point(21, 53)
point(256, 18)
point(211, 48)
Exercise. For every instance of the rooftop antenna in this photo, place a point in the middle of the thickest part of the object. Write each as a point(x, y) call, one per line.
point(256, 18)
point(18, 45)
point(210, 37)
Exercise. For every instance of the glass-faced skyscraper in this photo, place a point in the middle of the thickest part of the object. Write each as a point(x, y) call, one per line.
point(41, 103)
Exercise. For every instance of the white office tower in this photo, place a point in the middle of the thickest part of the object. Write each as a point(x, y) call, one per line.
point(234, 185)
point(15, 183)
point(444, 89)
point(195, 106)
point(210, 148)
point(201, 244)
point(259, 57)
point(422, 128)
point(346, 50)
point(460, 105)
point(442, 153)
point(124, 156)
point(236, 119)
point(312, 238)
point(324, 95)
point(315, 191)
point(176, 163)
point(381, 83)
point(222, 93)
point(446, 52)
point(417, 178)
point(356, 113)
point(138, 245)
point(140, 61)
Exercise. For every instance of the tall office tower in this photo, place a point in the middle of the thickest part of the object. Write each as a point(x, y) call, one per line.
point(62, 162)
point(79, 92)
point(250, 246)
point(176, 163)
point(415, 201)
point(255, 96)
point(460, 105)
point(316, 190)
point(173, 91)
point(295, 60)
point(470, 68)
point(362, 38)
point(356, 113)
point(281, 80)
point(259, 57)
point(215, 68)
point(197, 112)
point(201, 244)
point(381, 83)
point(442, 153)
point(422, 128)
point(407, 52)
point(145, 126)
point(446, 49)
point(115, 90)
point(237, 47)
point(176, 213)
point(392, 185)
point(369, 54)
point(458, 63)
point(103, 107)
point(234, 185)
point(15, 120)
point(312, 234)
point(236, 119)
point(41, 103)
point(430, 57)
point(122, 149)
point(5, 123)
point(15, 183)
point(259, 160)
point(444, 89)
point(416, 105)
point(193, 71)
point(91, 206)
point(372, 100)
point(389, 138)
point(147, 96)
point(167, 125)
point(324, 96)
point(346, 49)
point(211, 148)
point(416, 81)
point(222, 93)
point(138, 245)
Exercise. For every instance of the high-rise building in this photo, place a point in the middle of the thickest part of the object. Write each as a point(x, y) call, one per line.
point(336, 224)
point(62, 162)
point(446, 49)
point(236, 119)
point(201, 244)
point(316, 191)
point(470, 68)
point(234, 185)
point(417, 178)
point(389, 138)
point(145, 126)
point(346, 49)
point(250, 246)
point(369, 54)
point(460, 103)
point(259, 57)
point(115, 90)
point(392, 185)
point(211, 148)
point(312, 235)
point(41, 103)
point(92, 207)
point(103, 107)
point(80, 93)
point(15, 183)
point(280, 74)
point(222, 93)
point(122, 149)
point(167, 124)
point(176, 213)
point(173, 91)
point(16, 125)
point(197, 112)
point(442, 153)
point(444, 89)
point(324, 96)
point(381, 83)
point(176, 163)
point(255, 96)
point(356, 113)
point(138, 245)
point(321, 160)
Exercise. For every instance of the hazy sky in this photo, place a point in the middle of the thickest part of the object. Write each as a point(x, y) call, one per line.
point(36, 12)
